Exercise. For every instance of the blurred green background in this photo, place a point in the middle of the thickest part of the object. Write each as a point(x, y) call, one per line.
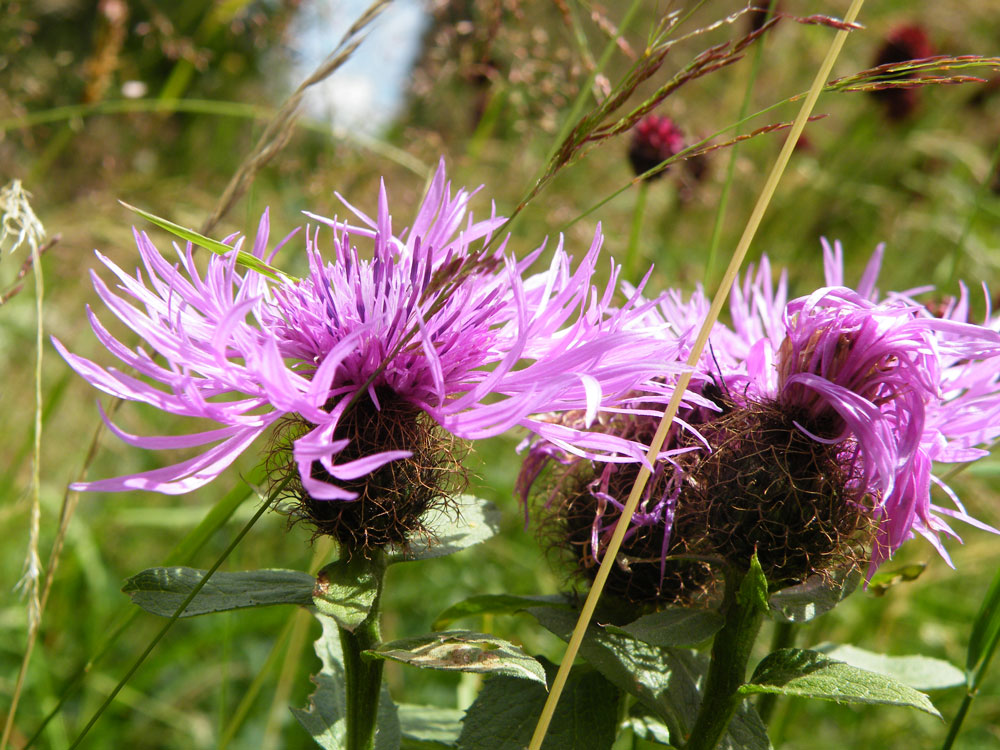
point(158, 104)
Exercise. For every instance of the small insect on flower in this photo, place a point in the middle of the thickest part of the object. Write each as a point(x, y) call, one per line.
point(368, 372)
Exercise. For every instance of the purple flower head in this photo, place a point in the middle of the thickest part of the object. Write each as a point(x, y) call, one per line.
point(429, 330)
point(893, 385)
point(812, 442)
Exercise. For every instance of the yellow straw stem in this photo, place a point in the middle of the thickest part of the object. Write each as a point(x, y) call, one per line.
point(699, 346)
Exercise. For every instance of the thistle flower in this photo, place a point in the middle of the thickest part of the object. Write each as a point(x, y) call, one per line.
point(654, 140)
point(365, 369)
point(889, 386)
point(820, 421)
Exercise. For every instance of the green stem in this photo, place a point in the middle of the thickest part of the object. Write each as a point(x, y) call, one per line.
point(632, 255)
point(970, 694)
point(956, 723)
point(727, 670)
point(362, 679)
point(783, 637)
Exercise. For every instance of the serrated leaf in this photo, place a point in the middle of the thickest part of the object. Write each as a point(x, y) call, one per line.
point(884, 580)
point(430, 726)
point(814, 597)
point(494, 604)
point(471, 521)
point(325, 718)
point(674, 627)
point(162, 590)
point(505, 713)
point(666, 681)
point(219, 248)
point(346, 590)
point(811, 674)
point(919, 672)
point(985, 631)
point(462, 651)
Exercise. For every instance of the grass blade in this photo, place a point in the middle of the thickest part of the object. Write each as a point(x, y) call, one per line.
point(219, 248)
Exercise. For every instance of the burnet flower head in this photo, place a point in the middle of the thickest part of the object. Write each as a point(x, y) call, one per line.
point(826, 414)
point(364, 371)
point(654, 140)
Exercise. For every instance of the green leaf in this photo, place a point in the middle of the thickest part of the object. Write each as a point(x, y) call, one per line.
point(919, 672)
point(648, 728)
point(219, 248)
point(665, 680)
point(462, 651)
point(505, 713)
point(430, 727)
point(986, 630)
point(810, 674)
point(161, 590)
point(752, 594)
point(452, 529)
point(325, 718)
point(494, 604)
point(886, 579)
point(674, 626)
point(346, 590)
point(635, 667)
point(814, 597)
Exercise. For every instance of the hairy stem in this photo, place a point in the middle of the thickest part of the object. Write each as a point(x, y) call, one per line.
point(727, 671)
point(363, 681)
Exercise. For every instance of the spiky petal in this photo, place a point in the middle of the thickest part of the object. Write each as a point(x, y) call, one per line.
point(436, 317)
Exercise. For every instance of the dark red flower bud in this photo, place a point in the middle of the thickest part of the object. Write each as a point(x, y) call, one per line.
point(654, 140)
point(760, 11)
point(903, 43)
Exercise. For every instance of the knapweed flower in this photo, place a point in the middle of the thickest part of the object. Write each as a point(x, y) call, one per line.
point(363, 370)
point(901, 44)
point(654, 140)
point(814, 445)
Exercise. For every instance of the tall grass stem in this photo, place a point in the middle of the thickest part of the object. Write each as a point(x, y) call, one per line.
point(33, 563)
point(718, 300)
point(980, 194)
point(180, 610)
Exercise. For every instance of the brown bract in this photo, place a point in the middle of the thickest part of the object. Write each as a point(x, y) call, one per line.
point(393, 499)
point(764, 488)
point(570, 511)
point(768, 488)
